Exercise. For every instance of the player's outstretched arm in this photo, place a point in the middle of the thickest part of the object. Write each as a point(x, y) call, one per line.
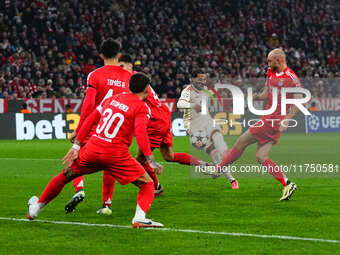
point(72, 154)
point(263, 96)
point(86, 109)
point(183, 104)
point(184, 100)
point(291, 113)
point(88, 124)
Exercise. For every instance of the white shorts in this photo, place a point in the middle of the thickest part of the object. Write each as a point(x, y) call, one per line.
point(200, 131)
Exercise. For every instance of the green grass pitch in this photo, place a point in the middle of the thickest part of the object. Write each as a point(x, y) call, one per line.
point(187, 203)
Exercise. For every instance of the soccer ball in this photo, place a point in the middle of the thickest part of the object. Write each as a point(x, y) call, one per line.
point(199, 139)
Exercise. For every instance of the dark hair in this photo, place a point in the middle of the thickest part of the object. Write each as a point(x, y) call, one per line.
point(138, 82)
point(24, 106)
point(313, 104)
point(126, 58)
point(110, 48)
point(195, 73)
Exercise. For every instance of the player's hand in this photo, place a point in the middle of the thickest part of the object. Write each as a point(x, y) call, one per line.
point(70, 157)
point(282, 128)
point(73, 136)
point(155, 166)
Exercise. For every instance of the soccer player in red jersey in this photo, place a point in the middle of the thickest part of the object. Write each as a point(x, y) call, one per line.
point(118, 118)
point(102, 83)
point(267, 132)
point(160, 136)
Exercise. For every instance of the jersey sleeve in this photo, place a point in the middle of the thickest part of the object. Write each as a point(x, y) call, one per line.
point(184, 100)
point(294, 80)
point(88, 106)
point(88, 124)
point(89, 100)
point(141, 118)
point(91, 80)
point(269, 71)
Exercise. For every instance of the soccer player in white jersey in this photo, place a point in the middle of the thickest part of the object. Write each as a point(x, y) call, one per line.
point(201, 126)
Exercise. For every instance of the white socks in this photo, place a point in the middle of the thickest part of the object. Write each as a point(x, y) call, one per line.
point(140, 214)
point(219, 142)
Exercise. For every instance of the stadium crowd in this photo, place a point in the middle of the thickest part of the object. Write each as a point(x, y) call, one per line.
point(47, 48)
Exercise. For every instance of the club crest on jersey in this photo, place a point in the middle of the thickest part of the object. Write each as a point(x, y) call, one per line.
point(280, 82)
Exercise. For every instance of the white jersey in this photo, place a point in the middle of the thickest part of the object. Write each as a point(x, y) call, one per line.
point(189, 100)
point(201, 127)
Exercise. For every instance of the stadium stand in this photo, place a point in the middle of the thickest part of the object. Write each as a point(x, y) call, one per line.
point(47, 48)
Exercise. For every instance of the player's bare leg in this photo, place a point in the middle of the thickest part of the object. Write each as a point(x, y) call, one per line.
point(262, 153)
point(144, 200)
point(52, 190)
point(221, 147)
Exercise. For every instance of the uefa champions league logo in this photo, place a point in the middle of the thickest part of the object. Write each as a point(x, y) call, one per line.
point(314, 122)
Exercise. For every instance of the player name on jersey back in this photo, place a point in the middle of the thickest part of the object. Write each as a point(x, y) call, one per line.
point(117, 83)
point(120, 106)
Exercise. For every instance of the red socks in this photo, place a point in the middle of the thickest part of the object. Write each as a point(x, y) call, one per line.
point(109, 184)
point(230, 156)
point(145, 196)
point(53, 188)
point(78, 183)
point(108, 187)
point(275, 171)
point(186, 159)
point(152, 174)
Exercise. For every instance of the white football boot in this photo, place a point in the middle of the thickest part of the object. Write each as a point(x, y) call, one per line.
point(146, 223)
point(34, 208)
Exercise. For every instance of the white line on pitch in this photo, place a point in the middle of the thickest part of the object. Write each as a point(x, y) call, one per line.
point(56, 159)
point(296, 238)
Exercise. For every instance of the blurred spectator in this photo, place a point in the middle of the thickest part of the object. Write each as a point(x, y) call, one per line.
point(24, 109)
point(68, 109)
point(313, 107)
point(57, 41)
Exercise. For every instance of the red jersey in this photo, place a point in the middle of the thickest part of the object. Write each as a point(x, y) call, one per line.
point(120, 117)
point(152, 99)
point(285, 79)
point(103, 83)
point(160, 114)
point(154, 103)
point(108, 81)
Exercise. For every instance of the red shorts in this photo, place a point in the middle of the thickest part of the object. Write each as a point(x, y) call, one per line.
point(158, 138)
point(265, 133)
point(119, 162)
point(159, 127)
